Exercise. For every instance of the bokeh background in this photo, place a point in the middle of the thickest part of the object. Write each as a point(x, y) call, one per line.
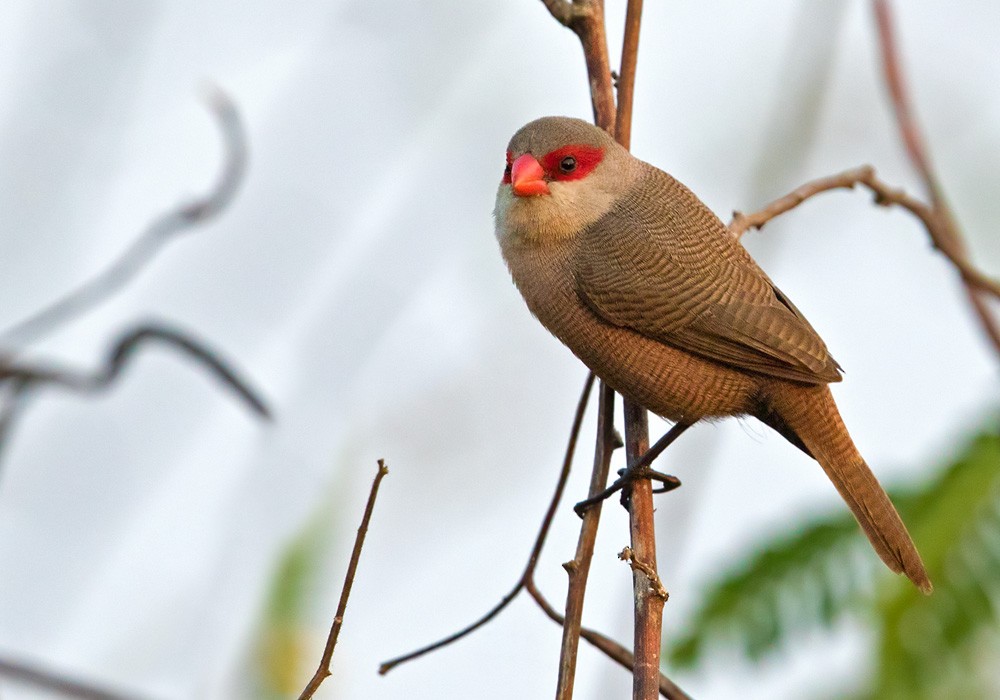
point(161, 541)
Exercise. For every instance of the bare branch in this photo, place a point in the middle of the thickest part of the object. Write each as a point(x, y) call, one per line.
point(527, 582)
point(323, 671)
point(29, 674)
point(648, 610)
point(536, 550)
point(162, 230)
point(586, 19)
point(626, 80)
point(31, 376)
point(579, 569)
point(885, 195)
point(612, 649)
point(648, 605)
point(946, 235)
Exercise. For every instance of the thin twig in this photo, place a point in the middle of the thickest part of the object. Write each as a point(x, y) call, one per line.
point(626, 78)
point(648, 605)
point(579, 568)
point(536, 549)
point(586, 19)
point(30, 377)
point(885, 195)
point(648, 615)
point(30, 674)
point(946, 235)
point(612, 649)
point(323, 671)
point(162, 230)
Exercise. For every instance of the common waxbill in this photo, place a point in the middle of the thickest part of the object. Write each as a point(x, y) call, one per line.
point(639, 278)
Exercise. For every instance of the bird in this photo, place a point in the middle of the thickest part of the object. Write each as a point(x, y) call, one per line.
point(649, 289)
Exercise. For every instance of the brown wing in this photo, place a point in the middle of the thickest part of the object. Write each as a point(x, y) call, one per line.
point(661, 263)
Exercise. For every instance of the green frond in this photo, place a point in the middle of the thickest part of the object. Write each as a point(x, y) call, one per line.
point(925, 646)
point(928, 646)
point(792, 583)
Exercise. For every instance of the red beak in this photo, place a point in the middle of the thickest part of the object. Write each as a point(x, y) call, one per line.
point(526, 177)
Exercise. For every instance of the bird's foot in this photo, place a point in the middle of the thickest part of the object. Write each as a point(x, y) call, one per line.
point(626, 477)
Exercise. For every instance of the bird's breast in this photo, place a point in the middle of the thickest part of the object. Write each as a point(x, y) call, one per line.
point(668, 381)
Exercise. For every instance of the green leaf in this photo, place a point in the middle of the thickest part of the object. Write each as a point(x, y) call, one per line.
point(791, 583)
point(925, 647)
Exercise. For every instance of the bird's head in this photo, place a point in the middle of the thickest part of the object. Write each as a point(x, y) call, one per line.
point(561, 175)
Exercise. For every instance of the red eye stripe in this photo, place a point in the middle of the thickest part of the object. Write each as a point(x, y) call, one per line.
point(506, 171)
point(587, 158)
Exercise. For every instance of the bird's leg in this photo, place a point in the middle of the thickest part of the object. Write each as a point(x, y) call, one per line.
point(639, 470)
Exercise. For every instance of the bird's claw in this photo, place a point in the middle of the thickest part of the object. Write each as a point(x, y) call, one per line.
point(624, 482)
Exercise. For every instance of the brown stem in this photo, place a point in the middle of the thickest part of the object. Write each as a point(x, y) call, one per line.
point(648, 606)
point(586, 19)
point(579, 568)
point(612, 649)
point(885, 195)
point(536, 550)
point(323, 670)
point(626, 78)
point(646, 584)
point(947, 236)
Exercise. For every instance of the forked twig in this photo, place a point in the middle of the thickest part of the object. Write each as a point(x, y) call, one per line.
point(527, 580)
point(21, 382)
point(946, 234)
point(163, 229)
point(612, 649)
point(536, 549)
point(323, 670)
point(34, 376)
point(648, 610)
point(885, 195)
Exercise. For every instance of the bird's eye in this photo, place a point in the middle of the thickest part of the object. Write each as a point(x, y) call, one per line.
point(567, 164)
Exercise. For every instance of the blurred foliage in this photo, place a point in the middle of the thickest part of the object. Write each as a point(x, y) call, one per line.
point(946, 645)
point(286, 649)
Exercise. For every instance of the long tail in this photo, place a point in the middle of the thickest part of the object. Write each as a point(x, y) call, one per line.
point(811, 414)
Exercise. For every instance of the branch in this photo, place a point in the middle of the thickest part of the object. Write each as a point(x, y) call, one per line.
point(648, 614)
point(536, 550)
point(885, 195)
point(586, 19)
point(27, 377)
point(527, 580)
point(626, 79)
point(645, 581)
point(162, 230)
point(323, 670)
point(28, 674)
point(946, 235)
point(612, 649)
point(579, 568)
